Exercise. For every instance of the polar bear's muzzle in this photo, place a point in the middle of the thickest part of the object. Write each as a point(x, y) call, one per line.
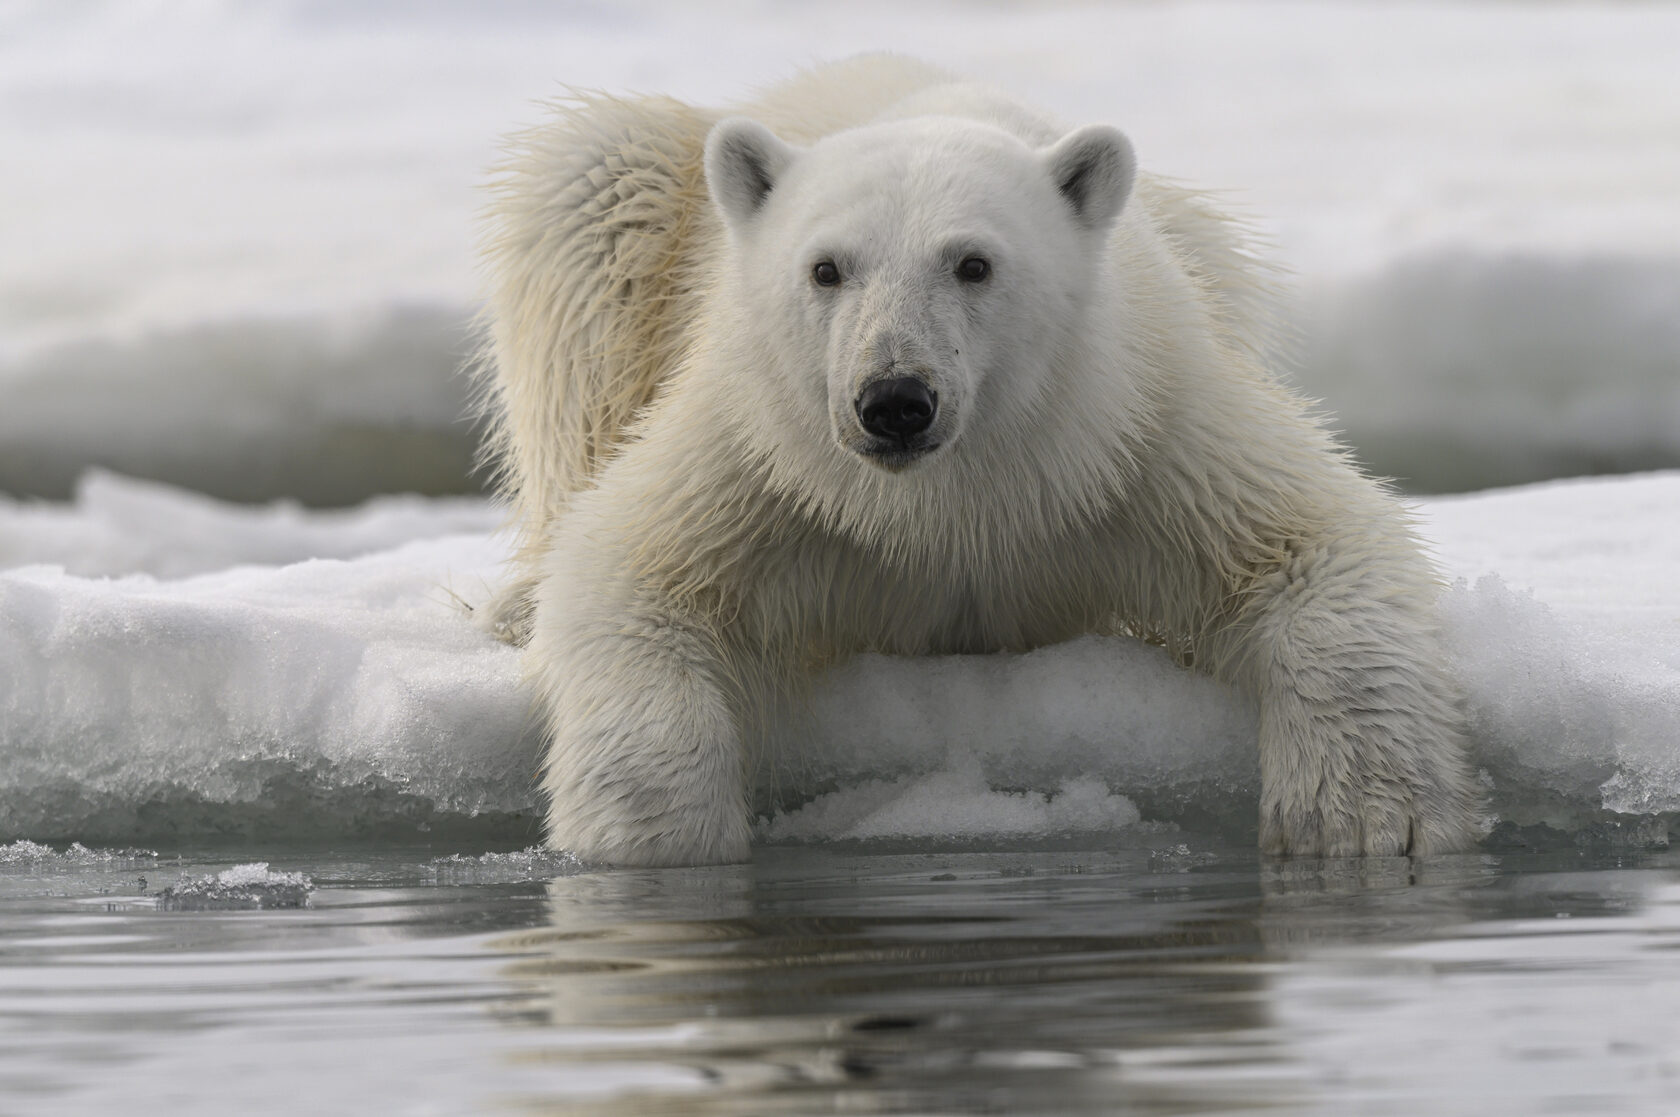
point(897, 414)
point(897, 409)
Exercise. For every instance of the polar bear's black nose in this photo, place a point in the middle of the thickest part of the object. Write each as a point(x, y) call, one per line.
point(897, 408)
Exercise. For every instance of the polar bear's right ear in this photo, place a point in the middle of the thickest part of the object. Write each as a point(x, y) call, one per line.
point(744, 160)
point(1093, 167)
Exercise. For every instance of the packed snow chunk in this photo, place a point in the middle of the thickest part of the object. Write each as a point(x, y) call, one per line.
point(241, 887)
point(956, 802)
point(1565, 630)
point(1180, 746)
point(323, 699)
point(1565, 714)
point(1541, 724)
point(1601, 551)
point(119, 525)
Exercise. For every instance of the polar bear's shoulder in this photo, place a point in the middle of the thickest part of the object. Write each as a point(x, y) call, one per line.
point(590, 246)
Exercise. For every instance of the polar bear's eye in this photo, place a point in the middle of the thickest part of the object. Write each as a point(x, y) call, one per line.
point(826, 274)
point(973, 269)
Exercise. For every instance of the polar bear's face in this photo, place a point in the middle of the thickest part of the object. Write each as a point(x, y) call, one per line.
point(912, 280)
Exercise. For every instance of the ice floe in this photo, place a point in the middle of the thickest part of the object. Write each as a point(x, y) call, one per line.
point(355, 698)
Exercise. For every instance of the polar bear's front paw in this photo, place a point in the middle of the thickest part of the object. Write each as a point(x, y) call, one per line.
point(1364, 827)
point(650, 826)
point(656, 781)
point(644, 763)
point(1367, 815)
point(653, 782)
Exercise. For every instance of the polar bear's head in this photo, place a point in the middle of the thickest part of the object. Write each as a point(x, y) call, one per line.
point(910, 281)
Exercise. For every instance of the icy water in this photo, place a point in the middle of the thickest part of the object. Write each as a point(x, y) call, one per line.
point(839, 979)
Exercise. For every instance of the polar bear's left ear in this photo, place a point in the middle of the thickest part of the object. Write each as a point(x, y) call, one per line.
point(1093, 167)
point(744, 160)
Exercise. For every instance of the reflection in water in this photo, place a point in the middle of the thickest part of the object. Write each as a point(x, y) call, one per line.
point(1048, 983)
point(823, 980)
point(977, 983)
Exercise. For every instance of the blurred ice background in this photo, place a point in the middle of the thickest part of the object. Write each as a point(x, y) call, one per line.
point(237, 234)
point(236, 258)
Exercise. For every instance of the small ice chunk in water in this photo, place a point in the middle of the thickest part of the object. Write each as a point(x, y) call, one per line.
point(531, 863)
point(242, 887)
point(37, 855)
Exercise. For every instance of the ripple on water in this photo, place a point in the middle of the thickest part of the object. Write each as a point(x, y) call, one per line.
point(1183, 979)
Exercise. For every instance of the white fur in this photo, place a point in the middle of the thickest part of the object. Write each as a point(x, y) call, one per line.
point(702, 525)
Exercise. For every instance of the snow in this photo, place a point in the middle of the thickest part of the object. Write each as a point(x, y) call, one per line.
point(1567, 632)
point(119, 525)
point(955, 802)
point(259, 285)
point(354, 698)
point(350, 696)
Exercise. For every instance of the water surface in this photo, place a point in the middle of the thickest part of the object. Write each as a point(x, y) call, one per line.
point(1180, 979)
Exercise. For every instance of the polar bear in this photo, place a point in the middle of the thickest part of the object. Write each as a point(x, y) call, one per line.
point(884, 361)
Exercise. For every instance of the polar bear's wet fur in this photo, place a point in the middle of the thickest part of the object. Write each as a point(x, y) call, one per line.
point(885, 362)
